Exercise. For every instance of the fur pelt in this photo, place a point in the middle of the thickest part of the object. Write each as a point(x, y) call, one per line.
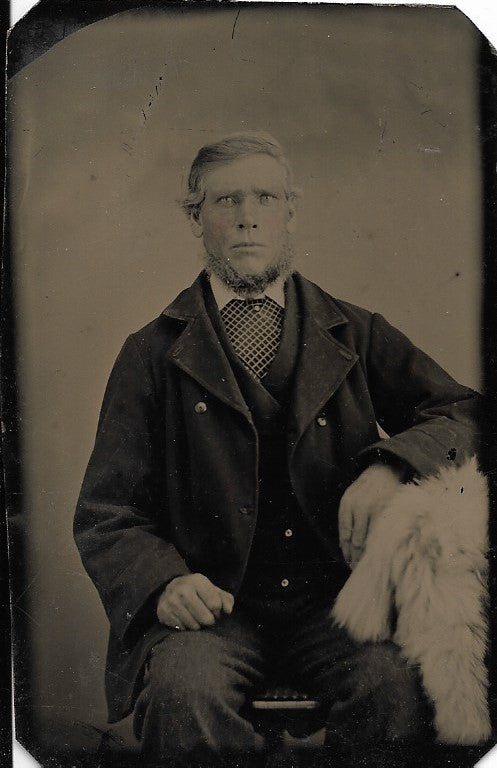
point(425, 564)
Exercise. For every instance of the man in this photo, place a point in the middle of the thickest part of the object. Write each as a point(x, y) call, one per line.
point(236, 471)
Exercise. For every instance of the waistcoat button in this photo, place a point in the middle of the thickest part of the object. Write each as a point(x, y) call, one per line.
point(322, 421)
point(288, 533)
point(284, 582)
point(200, 407)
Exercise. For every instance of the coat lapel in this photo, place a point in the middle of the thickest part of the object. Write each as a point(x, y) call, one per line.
point(323, 361)
point(198, 351)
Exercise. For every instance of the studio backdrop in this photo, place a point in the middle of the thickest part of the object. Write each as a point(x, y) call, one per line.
point(377, 109)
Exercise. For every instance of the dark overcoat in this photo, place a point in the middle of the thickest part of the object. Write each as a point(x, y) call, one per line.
point(172, 485)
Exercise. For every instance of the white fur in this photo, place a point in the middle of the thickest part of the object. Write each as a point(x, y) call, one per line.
point(425, 557)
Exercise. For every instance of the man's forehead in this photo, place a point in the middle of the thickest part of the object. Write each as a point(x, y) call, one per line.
point(249, 171)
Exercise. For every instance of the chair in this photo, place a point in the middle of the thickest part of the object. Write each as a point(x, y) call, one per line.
point(276, 710)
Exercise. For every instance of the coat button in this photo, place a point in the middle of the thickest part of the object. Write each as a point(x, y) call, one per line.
point(284, 582)
point(322, 421)
point(200, 407)
point(245, 510)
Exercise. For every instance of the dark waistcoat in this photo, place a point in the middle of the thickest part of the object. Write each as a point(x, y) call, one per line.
point(286, 558)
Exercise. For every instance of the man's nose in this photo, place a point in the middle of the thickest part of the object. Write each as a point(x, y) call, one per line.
point(247, 215)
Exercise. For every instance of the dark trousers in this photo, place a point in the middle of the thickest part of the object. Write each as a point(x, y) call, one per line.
point(192, 710)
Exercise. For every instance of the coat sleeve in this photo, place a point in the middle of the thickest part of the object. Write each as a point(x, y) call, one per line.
point(429, 417)
point(120, 526)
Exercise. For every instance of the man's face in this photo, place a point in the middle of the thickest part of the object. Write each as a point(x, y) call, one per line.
point(245, 218)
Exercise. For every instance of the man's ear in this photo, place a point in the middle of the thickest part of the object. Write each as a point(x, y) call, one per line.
point(196, 223)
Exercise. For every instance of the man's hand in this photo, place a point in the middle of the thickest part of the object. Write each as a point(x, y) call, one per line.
point(365, 498)
point(191, 602)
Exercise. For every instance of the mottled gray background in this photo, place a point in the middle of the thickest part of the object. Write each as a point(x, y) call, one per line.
point(378, 109)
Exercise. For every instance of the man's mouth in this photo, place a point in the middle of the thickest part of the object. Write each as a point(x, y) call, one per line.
point(248, 245)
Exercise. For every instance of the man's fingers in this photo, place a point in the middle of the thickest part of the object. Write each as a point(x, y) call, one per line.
point(185, 617)
point(345, 547)
point(345, 519)
point(352, 531)
point(360, 529)
point(210, 596)
point(175, 623)
point(167, 617)
point(227, 600)
point(218, 598)
point(360, 505)
point(199, 610)
point(192, 601)
point(358, 540)
point(355, 556)
point(345, 527)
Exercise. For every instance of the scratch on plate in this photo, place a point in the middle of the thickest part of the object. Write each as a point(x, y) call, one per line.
point(383, 126)
point(234, 25)
point(430, 150)
point(28, 615)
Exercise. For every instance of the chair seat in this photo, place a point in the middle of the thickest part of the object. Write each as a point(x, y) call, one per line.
point(276, 710)
point(284, 698)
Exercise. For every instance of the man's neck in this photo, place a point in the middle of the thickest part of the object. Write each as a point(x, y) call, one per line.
point(223, 293)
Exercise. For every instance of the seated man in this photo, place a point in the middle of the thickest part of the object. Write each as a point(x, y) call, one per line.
point(236, 470)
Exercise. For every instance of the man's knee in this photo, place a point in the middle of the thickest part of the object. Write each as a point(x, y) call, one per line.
point(188, 668)
point(381, 664)
point(383, 694)
point(195, 688)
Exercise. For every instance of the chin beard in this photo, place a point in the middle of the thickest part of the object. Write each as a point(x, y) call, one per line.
point(246, 285)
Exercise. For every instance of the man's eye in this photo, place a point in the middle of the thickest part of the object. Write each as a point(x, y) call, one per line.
point(267, 198)
point(226, 200)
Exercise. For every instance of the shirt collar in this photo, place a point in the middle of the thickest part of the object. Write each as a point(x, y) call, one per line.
point(223, 294)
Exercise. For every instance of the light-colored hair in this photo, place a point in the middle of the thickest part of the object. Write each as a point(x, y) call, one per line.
point(226, 150)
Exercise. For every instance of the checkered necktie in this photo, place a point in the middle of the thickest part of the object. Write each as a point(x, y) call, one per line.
point(254, 329)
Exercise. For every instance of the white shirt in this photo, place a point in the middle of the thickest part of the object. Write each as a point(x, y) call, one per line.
point(223, 294)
